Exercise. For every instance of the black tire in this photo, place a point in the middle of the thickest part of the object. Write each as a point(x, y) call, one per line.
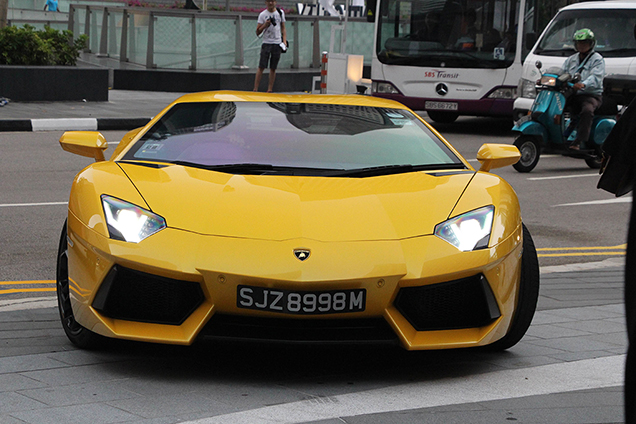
point(594, 162)
point(530, 150)
point(527, 299)
point(442, 117)
point(78, 335)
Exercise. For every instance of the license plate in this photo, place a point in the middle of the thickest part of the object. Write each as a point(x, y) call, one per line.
point(440, 106)
point(301, 302)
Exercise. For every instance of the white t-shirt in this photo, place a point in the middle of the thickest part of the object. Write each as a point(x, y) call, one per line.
point(272, 34)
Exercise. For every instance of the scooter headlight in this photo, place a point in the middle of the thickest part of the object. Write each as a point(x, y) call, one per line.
point(548, 81)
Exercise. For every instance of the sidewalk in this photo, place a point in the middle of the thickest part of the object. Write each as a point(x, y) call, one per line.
point(124, 110)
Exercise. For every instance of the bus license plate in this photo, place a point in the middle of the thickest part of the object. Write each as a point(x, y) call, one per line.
point(440, 106)
point(301, 302)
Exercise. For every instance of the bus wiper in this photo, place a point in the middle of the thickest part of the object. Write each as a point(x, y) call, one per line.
point(374, 171)
point(239, 168)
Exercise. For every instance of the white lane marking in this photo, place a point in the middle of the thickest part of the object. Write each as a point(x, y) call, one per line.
point(560, 177)
point(627, 199)
point(27, 303)
point(86, 124)
point(11, 205)
point(508, 384)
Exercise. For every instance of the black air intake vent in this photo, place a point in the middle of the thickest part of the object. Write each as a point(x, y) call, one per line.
point(132, 295)
point(465, 303)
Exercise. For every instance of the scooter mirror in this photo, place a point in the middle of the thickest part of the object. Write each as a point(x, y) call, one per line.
point(576, 78)
point(538, 64)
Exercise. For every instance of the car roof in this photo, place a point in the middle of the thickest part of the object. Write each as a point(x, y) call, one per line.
point(250, 96)
point(609, 4)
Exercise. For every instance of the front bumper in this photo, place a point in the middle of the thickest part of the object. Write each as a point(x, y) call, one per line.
point(473, 293)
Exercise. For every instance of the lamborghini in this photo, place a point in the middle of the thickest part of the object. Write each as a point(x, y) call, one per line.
point(296, 219)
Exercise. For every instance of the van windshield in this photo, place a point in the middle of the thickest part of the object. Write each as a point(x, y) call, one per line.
point(610, 42)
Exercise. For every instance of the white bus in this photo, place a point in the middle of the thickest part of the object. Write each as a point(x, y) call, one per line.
point(451, 57)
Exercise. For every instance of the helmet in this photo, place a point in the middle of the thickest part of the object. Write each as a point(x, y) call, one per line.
point(584, 35)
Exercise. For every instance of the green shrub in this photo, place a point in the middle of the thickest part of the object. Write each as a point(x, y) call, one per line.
point(27, 46)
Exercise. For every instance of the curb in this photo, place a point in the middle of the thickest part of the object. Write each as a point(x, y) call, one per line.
point(72, 124)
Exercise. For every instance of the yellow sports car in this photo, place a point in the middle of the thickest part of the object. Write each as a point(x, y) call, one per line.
point(297, 218)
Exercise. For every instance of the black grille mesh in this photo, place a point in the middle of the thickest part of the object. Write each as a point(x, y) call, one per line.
point(136, 296)
point(464, 303)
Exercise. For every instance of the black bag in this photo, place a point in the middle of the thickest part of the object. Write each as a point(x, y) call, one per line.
point(617, 177)
point(618, 171)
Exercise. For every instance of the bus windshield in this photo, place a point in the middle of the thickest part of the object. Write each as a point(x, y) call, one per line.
point(448, 33)
point(613, 30)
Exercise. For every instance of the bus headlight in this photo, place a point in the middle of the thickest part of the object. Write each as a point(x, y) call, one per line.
point(381, 87)
point(504, 93)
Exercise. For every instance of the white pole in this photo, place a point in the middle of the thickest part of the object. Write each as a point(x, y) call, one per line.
point(343, 39)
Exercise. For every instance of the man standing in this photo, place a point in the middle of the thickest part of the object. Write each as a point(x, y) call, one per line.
point(271, 24)
point(587, 99)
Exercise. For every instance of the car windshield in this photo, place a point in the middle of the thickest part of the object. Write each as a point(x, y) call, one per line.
point(610, 42)
point(307, 138)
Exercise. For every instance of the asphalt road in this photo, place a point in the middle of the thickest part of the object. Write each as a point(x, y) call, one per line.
point(567, 369)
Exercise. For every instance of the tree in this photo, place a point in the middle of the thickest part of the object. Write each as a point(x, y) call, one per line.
point(4, 5)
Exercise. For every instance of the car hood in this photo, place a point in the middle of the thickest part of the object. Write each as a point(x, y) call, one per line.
point(288, 207)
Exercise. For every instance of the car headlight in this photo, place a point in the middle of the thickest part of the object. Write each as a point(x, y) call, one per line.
point(469, 231)
point(128, 222)
point(527, 89)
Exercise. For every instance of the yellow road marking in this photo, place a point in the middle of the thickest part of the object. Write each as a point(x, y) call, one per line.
point(17, 283)
point(10, 291)
point(618, 250)
point(549, 255)
point(620, 246)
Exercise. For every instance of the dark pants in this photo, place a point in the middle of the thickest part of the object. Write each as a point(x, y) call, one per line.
point(584, 105)
point(630, 315)
point(270, 53)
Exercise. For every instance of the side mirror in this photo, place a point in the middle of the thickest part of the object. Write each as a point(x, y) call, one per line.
point(576, 78)
point(85, 143)
point(538, 64)
point(493, 156)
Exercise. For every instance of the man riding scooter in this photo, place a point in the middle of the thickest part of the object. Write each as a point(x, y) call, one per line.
point(588, 91)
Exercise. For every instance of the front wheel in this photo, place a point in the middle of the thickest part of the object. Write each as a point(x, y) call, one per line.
point(594, 162)
point(442, 117)
point(527, 296)
point(76, 333)
point(530, 150)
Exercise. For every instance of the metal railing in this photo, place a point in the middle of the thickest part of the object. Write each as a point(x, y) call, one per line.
point(195, 39)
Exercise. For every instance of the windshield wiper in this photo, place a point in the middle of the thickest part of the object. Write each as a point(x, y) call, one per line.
point(561, 52)
point(239, 168)
point(374, 171)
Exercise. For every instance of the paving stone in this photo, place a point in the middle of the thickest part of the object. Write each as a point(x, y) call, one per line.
point(15, 382)
point(28, 363)
point(553, 331)
point(11, 402)
point(76, 414)
point(78, 394)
